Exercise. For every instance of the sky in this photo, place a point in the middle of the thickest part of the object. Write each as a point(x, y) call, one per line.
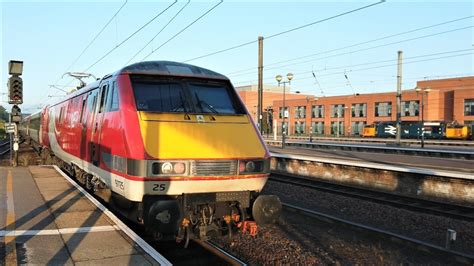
point(353, 53)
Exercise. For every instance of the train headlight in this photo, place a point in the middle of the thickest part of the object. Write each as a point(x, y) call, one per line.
point(249, 166)
point(253, 166)
point(166, 168)
point(179, 168)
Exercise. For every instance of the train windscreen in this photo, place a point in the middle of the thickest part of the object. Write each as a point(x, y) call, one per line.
point(184, 96)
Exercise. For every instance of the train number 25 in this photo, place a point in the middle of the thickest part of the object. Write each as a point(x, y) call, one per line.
point(159, 187)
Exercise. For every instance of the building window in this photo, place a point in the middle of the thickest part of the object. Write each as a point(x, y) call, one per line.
point(383, 109)
point(300, 111)
point(337, 126)
point(357, 128)
point(281, 112)
point(337, 110)
point(300, 127)
point(359, 109)
point(411, 108)
point(317, 128)
point(469, 107)
point(318, 111)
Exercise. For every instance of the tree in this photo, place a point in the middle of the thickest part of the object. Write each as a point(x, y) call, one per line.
point(3, 114)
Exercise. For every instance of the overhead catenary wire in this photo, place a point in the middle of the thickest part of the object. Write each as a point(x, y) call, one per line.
point(131, 35)
point(96, 36)
point(354, 45)
point(390, 79)
point(92, 41)
point(382, 66)
point(284, 32)
point(162, 29)
point(389, 65)
point(364, 49)
point(185, 28)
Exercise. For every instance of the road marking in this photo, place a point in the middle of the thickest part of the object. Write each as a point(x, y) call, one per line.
point(129, 232)
point(10, 245)
point(62, 231)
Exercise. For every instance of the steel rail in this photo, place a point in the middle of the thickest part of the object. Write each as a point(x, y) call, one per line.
point(410, 203)
point(415, 243)
point(465, 143)
point(7, 150)
point(221, 253)
point(389, 149)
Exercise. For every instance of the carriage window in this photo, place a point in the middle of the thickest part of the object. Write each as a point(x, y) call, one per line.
point(114, 101)
point(160, 97)
point(103, 93)
point(212, 99)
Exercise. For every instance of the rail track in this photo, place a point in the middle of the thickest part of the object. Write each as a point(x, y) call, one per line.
point(379, 233)
point(383, 140)
point(419, 205)
point(4, 147)
point(197, 253)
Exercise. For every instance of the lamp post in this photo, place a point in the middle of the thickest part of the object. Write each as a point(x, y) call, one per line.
point(423, 91)
point(279, 79)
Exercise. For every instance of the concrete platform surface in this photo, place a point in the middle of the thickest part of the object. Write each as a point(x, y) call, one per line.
point(45, 219)
point(401, 160)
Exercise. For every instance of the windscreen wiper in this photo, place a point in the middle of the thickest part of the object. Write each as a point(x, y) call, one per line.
point(182, 105)
point(200, 102)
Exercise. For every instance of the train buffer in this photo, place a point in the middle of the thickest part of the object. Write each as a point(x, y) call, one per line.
point(47, 219)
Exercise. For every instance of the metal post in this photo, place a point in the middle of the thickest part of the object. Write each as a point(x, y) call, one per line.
point(450, 238)
point(337, 126)
point(399, 98)
point(284, 115)
point(350, 121)
point(11, 141)
point(16, 145)
point(422, 119)
point(260, 83)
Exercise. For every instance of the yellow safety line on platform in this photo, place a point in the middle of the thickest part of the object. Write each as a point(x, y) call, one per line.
point(10, 245)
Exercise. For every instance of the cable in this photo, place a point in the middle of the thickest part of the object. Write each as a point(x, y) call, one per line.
point(365, 49)
point(96, 36)
point(357, 44)
point(405, 63)
point(93, 39)
point(382, 66)
point(164, 27)
point(317, 83)
point(284, 32)
point(189, 25)
point(131, 35)
point(388, 60)
point(349, 83)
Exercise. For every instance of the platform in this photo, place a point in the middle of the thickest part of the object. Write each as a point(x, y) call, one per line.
point(397, 160)
point(46, 219)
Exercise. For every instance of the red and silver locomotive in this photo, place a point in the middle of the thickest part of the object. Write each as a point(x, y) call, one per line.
point(169, 145)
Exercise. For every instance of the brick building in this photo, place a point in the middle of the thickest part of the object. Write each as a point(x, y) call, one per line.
point(447, 100)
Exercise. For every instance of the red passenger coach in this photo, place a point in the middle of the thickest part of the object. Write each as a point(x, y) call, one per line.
point(169, 145)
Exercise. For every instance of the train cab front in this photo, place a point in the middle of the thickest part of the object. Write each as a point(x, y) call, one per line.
point(206, 162)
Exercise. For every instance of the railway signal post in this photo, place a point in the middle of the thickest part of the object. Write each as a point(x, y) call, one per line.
point(15, 97)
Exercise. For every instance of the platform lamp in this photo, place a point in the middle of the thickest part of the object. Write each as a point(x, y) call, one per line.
point(279, 79)
point(423, 91)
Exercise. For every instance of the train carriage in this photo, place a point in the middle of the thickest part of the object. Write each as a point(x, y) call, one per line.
point(169, 145)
